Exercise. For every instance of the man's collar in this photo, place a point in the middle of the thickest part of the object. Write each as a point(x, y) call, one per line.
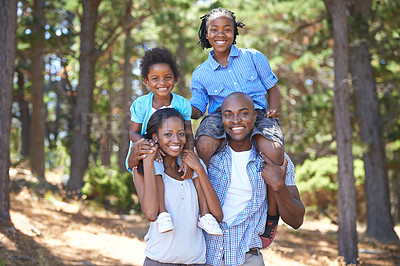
point(214, 64)
point(227, 150)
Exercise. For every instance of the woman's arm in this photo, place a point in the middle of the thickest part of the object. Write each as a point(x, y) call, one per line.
point(193, 161)
point(146, 187)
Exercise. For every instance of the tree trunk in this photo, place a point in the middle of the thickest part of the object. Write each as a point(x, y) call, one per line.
point(83, 108)
point(106, 141)
point(181, 86)
point(126, 97)
point(395, 192)
point(8, 26)
point(24, 117)
point(347, 196)
point(37, 128)
point(370, 122)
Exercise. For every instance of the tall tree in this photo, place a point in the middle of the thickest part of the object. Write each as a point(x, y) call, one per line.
point(83, 108)
point(37, 128)
point(369, 119)
point(24, 114)
point(347, 196)
point(126, 96)
point(8, 26)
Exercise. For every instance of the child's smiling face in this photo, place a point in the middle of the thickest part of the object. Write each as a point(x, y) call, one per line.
point(220, 34)
point(160, 79)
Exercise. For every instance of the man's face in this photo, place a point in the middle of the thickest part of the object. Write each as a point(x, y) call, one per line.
point(238, 118)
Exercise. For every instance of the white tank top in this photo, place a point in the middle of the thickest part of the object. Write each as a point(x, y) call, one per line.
point(185, 244)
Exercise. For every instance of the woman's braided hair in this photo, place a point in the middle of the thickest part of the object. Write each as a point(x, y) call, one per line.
point(215, 13)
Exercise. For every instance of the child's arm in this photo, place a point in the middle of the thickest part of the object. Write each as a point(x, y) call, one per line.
point(189, 146)
point(135, 135)
point(193, 161)
point(196, 113)
point(274, 97)
point(146, 187)
point(134, 132)
point(189, 135)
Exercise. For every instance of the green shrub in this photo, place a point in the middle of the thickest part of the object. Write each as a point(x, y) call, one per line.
point(318, 184)
point(110, 187)
point(322, 173)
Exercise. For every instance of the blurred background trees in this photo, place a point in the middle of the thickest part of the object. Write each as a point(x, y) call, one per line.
point(77, 73)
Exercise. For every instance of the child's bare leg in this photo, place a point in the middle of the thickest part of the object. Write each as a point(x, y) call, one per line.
point(206, 146)
point(160, 192)
point(275, 152)
point(203, 205)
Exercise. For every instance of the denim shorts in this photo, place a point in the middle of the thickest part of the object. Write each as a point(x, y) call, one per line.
point(211, 125)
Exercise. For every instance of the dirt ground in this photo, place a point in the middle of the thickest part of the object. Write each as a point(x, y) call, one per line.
point(48, 231)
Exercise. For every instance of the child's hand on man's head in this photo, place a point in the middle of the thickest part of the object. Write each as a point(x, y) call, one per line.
point(272, 113)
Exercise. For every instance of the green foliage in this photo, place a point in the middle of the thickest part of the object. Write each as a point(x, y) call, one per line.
point(110, 187)
point(321, 173)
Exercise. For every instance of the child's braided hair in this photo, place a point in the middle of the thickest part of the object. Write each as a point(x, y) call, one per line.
point(217, 12)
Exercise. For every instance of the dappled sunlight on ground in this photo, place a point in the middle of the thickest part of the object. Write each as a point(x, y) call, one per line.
point(51, 231)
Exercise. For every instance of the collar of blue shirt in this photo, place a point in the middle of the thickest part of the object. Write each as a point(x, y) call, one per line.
point(214, 64)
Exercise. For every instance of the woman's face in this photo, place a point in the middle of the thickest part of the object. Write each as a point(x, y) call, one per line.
point(171, 136)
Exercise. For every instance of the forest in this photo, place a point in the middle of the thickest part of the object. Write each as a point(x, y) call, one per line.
point(70, 71)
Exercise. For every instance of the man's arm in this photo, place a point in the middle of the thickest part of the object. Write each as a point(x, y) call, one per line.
point(290, 207)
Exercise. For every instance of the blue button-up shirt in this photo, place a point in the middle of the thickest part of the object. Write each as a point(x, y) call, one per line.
point(244, 233)
point(248, 71)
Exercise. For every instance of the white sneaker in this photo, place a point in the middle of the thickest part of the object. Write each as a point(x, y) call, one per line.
point(164, 222)
point(209, 224)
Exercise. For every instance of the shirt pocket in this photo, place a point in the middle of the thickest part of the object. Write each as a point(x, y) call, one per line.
point(250, 76)
point(215, 89)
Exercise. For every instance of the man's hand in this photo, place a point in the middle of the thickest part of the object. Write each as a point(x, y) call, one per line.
point(139, 150)
point(274, 175)
point(272, 113)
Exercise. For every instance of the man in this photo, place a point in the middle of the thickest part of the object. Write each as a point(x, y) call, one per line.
point(239, 175)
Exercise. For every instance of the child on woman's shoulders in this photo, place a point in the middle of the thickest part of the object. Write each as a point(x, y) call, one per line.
point(160, 73)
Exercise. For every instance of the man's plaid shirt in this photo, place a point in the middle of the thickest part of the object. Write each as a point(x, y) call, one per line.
point(244, 232)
